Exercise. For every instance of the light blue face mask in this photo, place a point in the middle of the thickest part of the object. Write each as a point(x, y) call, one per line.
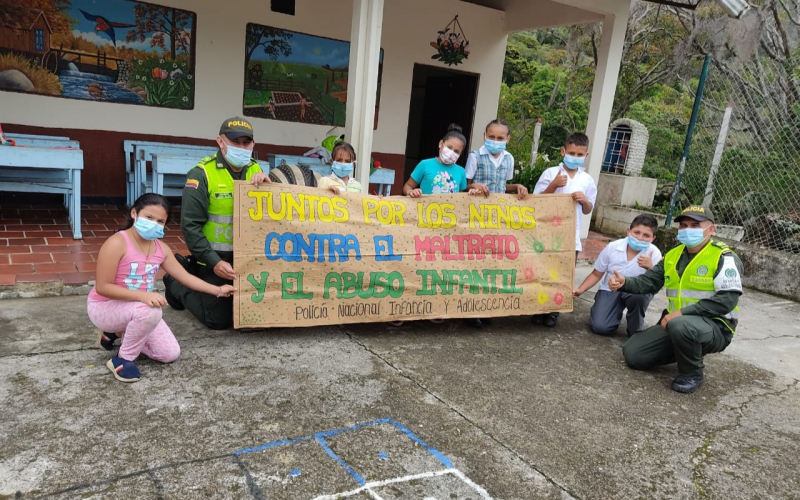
point(342, 169)
point(148, 229)
point(637, 245)
point(238, 157)
point(573, 162)
point(691, 236)
point(494, 147)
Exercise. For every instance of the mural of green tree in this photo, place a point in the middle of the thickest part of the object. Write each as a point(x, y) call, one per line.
point(274, 42)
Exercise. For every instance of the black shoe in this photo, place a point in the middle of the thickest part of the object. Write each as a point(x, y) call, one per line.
point(550, 320)
point(537, 319)
point(476, 322)
point(173, 301)
point(686, 385)
point(107, 339)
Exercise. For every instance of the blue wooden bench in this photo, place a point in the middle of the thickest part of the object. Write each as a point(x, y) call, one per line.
point(301, 161)
point(169, 174)
point(42, 168)
point(26, 139)
point(138, 153)
point(383, 177)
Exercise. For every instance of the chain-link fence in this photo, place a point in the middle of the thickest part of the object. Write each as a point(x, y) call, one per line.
point(745, 156)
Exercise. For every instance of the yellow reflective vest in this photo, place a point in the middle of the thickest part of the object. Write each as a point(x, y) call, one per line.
point(698, 279)
point(219, 227)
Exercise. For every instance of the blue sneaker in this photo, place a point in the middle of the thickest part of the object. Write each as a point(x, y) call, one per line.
point(123, 370)
point(107, 339)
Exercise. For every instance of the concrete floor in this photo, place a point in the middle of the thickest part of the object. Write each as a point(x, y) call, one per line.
point(372, 411)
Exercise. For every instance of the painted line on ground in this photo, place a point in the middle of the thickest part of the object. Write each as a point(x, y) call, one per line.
point(312, 436)
point(336, 457)
point(433, 451)
point(374, 495)
point(483, 493)
point(385, 482)
point(353, 428)
point(319, 437)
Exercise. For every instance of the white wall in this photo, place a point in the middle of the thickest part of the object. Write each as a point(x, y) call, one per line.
point(524, 15)
point(409, 27)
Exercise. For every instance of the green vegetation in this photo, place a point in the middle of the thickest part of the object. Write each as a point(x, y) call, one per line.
point(549, 75)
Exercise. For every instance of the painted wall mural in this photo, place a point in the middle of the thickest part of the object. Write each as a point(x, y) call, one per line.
point(291, 76)
point(117, 51)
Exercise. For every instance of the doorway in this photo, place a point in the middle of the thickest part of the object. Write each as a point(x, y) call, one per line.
point(439, 97)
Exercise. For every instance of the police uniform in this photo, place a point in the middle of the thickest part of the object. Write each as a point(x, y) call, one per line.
point(207, 226)
point(705, 286)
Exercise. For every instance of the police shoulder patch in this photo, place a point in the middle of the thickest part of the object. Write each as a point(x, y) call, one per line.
point(728, 279)
point(192, 183)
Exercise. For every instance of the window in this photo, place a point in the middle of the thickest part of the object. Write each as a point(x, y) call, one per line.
point(617, 150)
point(283, 6)
point(38, 35)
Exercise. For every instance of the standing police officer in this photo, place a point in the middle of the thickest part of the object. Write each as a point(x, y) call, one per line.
point(703, 280)
point(207, 222)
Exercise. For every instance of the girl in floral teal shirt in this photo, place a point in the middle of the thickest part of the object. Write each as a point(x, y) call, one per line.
point(440, 175)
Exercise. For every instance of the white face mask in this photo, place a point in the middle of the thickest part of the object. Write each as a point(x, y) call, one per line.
point(237, 157)
point(448, 156)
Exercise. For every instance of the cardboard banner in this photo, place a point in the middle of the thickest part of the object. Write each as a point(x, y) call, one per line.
point(304, 256)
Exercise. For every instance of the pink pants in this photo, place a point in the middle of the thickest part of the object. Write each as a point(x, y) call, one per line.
point(144, 330)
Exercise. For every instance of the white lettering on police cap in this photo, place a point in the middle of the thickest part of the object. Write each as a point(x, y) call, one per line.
point(728, 279)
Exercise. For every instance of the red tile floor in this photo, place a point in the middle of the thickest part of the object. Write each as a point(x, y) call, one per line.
point(36, 243)
point(592, 246)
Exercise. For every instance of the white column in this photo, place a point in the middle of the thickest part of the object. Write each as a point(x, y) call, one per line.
point(362, 82)
point(605, 87)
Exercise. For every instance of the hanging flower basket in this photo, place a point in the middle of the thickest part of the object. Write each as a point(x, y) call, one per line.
point(451, 44)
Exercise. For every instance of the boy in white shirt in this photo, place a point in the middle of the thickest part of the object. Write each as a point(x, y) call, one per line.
point(631, 256)
point(569, 177)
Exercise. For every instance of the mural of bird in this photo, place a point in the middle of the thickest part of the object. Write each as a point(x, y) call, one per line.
point(106, 26)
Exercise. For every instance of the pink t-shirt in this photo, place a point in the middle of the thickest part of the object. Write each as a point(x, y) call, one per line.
point(134, 272)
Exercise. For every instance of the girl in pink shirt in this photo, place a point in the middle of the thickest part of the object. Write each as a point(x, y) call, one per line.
point(123, 299)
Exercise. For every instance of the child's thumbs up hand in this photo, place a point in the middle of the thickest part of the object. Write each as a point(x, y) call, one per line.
point(616, 281)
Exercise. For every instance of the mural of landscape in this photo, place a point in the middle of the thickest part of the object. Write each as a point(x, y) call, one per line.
point(117, 51)
point(296, 77)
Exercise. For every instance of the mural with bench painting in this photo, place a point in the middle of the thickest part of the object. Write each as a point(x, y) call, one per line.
point(296, 77)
